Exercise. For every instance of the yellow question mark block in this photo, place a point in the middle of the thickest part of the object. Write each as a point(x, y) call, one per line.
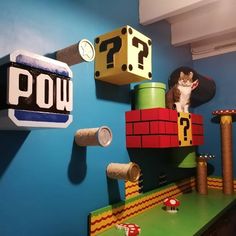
point(184, 129)
point(123, 56)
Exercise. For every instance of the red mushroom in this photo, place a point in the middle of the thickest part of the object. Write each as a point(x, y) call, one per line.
point(130, 229)
point(171, 204)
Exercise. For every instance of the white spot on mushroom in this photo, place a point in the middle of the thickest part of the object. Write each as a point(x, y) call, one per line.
point(172, 201)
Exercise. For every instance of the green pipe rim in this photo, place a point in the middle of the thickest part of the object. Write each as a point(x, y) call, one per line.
point(150, 85)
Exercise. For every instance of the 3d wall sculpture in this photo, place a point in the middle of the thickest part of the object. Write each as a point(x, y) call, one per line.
point(171, 204)
point(101, 136)
point(134, 188)
point(149, 95)
point(226, 119)
point(83, 51)
point(108, 216)
point(130, 171)
point(129, 228)
point(35, 92)
point(162, 128)
point(202, 187)
point(152, 125)
point(123, 56)
point(184, 157)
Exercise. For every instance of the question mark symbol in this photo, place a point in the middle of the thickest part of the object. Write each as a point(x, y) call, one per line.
point(143, 53)
point(186, 127)
point(117, 42)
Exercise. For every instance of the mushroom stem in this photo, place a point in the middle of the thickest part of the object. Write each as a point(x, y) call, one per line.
point(202, 176)
point(227, 153)
point(226, 149)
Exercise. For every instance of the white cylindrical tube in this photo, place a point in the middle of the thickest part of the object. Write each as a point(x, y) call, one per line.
point(77, 53)
point(101, 136)
point(130, 171)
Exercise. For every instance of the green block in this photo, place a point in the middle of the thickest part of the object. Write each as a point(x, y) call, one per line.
point(184, 157)
point(150, 95)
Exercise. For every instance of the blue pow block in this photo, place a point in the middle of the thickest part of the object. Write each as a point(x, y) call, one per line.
point(35, 92)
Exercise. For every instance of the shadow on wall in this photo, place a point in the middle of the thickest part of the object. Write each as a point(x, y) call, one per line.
point(156, 166)
point(51, 55)
point(77, 168)
point(112, 92)
point(216, 119)
point(113, 191)
point(210, 169)
point(15, 139)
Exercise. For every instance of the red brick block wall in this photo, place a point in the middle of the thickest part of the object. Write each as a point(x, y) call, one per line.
point(158, 128)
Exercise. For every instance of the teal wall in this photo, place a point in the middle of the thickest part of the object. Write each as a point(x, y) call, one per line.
point(222, 69)
point(48, 185)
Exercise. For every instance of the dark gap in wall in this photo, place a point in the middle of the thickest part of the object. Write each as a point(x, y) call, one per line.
point(132, 99)
point(88, 225)
point(155, 163)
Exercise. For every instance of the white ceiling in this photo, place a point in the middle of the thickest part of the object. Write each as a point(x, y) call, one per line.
point(209, 26)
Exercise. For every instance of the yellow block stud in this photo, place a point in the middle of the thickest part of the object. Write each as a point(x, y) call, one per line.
point(226, 119)
point(184, 129)
point(123, 56)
